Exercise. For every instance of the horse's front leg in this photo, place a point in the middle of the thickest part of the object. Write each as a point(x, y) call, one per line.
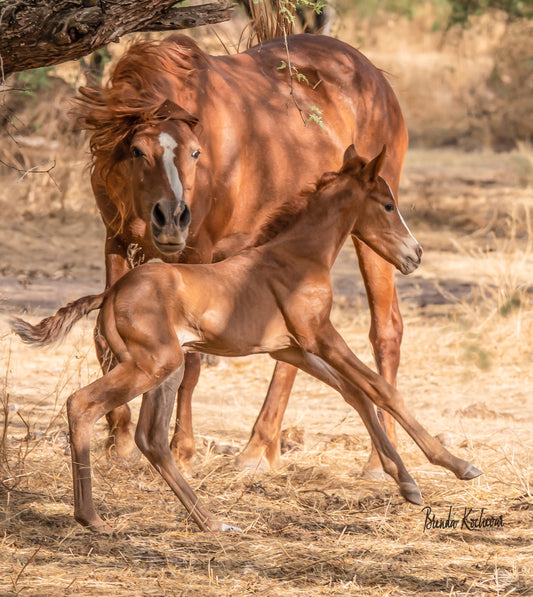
point(331, 348)
point(263, 450)
point(182, 443)
point(152, 439)
point(121, 429)
point(386, 331)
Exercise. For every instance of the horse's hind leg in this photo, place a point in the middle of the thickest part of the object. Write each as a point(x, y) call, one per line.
point(152, 439)
point(389, 457)
point(334, 351)
point(263, 450)
point(386, 331)
point(121, 428)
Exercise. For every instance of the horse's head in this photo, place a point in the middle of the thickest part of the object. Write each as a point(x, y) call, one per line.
point(158, 164)
point(379, 223)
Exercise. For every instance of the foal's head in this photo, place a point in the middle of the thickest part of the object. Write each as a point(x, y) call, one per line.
point(379, 223)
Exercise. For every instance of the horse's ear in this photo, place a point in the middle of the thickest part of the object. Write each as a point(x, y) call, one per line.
point(169, 109)
point(373, 168)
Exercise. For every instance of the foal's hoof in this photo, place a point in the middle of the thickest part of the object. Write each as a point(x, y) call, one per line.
point(217, 526)
point(411, 493)
point(471, 472)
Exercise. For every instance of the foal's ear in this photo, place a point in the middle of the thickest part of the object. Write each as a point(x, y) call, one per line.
point(352, 161)
point(373, 168)
point(169, 109)
point(350, 154)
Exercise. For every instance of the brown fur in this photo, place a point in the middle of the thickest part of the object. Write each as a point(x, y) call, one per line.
point(258, 153)
point(271, 299)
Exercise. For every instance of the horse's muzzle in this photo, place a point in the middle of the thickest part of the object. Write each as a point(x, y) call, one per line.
point(170, 225)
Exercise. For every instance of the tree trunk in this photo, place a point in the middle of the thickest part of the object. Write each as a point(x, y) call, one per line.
point(36, 33)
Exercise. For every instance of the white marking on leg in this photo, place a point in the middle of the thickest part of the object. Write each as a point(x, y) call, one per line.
point(168, 144)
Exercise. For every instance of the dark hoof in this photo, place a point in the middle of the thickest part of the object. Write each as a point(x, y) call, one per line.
point(471, 472)
point(411, 493)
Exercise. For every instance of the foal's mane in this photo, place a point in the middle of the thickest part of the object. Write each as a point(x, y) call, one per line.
point(289, 212)
point(145, 76)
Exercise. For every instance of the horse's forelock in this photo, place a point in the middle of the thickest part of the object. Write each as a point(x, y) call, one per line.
point(147, 75)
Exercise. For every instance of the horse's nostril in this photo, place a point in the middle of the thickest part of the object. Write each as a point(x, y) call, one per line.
point(419, 251)
point(184, 218)
point(158, 215)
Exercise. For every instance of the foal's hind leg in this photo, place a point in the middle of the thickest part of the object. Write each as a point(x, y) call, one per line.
point(386, 331)
point(84, 408)
point(333, 350)
point(390, 459)
point(152, 438)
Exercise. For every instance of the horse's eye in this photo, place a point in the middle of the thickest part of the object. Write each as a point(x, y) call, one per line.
point(195, 154)
point(136, 152)
point(389, 207)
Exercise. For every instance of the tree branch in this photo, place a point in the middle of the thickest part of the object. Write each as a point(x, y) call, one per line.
point(47, 32)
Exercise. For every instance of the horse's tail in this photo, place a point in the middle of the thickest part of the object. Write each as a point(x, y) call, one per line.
point(54, 328)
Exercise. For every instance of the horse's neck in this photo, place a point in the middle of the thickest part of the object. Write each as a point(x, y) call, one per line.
point(321, 230)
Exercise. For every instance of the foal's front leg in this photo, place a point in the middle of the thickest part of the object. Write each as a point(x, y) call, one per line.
point(390, 459)
point(334, 351)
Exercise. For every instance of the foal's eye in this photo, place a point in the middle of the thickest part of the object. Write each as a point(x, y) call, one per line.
point(136, 152)
point(195, 154)
point(389, 207)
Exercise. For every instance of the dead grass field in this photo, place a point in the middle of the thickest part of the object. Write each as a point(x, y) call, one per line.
point(313, 527)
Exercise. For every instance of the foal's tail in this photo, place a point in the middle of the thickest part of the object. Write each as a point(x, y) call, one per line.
point(54, 328)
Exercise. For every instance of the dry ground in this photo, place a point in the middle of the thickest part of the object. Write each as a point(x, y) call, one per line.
point(313, 527)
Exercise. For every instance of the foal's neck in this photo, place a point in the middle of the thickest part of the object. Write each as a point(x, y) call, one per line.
point(321, 230)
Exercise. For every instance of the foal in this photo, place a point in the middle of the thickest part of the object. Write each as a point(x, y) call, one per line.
point(271, 298)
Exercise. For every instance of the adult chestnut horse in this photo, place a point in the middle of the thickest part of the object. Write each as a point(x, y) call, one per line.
point(259, 147)
point(272, 298)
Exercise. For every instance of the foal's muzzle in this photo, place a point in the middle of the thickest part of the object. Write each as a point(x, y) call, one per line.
point(170, 225)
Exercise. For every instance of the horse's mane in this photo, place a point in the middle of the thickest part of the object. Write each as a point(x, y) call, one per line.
point(145, 76)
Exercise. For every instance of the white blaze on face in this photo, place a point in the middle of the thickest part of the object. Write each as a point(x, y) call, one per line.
point(169, 144)
point(400, 214)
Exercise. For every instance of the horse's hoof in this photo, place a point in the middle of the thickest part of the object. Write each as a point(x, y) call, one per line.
point(376, 474)
point(122, 445)
point(253, 465)
point(471, 472)
point(411, 493)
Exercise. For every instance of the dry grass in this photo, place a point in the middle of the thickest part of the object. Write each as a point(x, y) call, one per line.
point(314, 527)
